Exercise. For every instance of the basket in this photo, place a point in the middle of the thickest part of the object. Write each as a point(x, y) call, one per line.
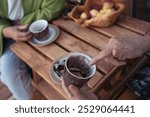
point(99, 20)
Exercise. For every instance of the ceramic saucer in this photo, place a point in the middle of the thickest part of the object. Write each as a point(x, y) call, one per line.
point(54, 76)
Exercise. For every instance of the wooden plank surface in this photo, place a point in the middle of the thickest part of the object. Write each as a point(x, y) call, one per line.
point(75, 38)
point(36, 77)
point(41, 65)
point(135, 25)
point(87, 35)
point(94, 80)
point(44, 68)
point(72, 44)
point(115, 30)
point(104, 66)
point(37, 62)
point(49, 92)
point(52, 51)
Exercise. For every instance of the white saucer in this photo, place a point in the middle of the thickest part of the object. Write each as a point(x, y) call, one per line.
point(52, 73)
point(54, 33)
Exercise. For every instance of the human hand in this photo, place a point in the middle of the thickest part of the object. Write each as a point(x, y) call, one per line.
point(118, 50)
point(73, 93)
point(118, 1)
point(17, 33)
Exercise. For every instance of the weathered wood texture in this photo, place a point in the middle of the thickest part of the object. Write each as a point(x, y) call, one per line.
point(40, 64)
point(73, 38)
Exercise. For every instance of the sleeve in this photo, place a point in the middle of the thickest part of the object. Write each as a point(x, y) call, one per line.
point(49, 10)
point(3, 23)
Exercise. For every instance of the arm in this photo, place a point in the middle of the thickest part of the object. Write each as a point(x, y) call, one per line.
point(17, 33)
point(14, 32)
point(119, 49)
point(49, 9)
point(145, 43)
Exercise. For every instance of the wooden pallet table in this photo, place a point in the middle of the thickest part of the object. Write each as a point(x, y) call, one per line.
point(109, 80)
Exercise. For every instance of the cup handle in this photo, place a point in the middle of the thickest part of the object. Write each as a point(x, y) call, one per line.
point(59, 66)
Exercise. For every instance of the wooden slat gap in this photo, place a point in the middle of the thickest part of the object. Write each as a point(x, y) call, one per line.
point(134, 24)
point(139, 33)
point(47, 92)
point(94, 80)
point(62, 47)
point(100, 71)
point(43, 70)
point(116, 31)
point(71, 34)
point(85, 34)
point(92, 28)
point(52, 51)
point(40, 53)
point(77, 40)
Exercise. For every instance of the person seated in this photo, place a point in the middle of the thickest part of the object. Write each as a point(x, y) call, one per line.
point(15, 16)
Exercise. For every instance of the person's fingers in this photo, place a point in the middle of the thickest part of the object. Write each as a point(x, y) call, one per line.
point(28, 37)
point(75, 91)
point(88, 93)
point(99, 57)
point(25, 38)
point(119, 53)
point(114, 51)
point(115, 61)
point(122, 59)
point(23, 27)
point(24, 35)
point(67, 91)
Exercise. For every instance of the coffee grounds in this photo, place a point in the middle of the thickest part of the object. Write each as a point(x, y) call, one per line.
point(77, 72)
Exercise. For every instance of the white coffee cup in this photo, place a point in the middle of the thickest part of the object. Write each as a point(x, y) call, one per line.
point(39, 29)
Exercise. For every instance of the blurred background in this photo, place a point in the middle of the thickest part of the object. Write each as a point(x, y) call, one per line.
point(139, 9)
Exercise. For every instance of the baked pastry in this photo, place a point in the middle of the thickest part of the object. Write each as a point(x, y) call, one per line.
point(101, 13)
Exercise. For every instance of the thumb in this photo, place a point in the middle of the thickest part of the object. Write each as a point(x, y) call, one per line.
point(75, 91)
point(116, 62)
point(22, 27)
